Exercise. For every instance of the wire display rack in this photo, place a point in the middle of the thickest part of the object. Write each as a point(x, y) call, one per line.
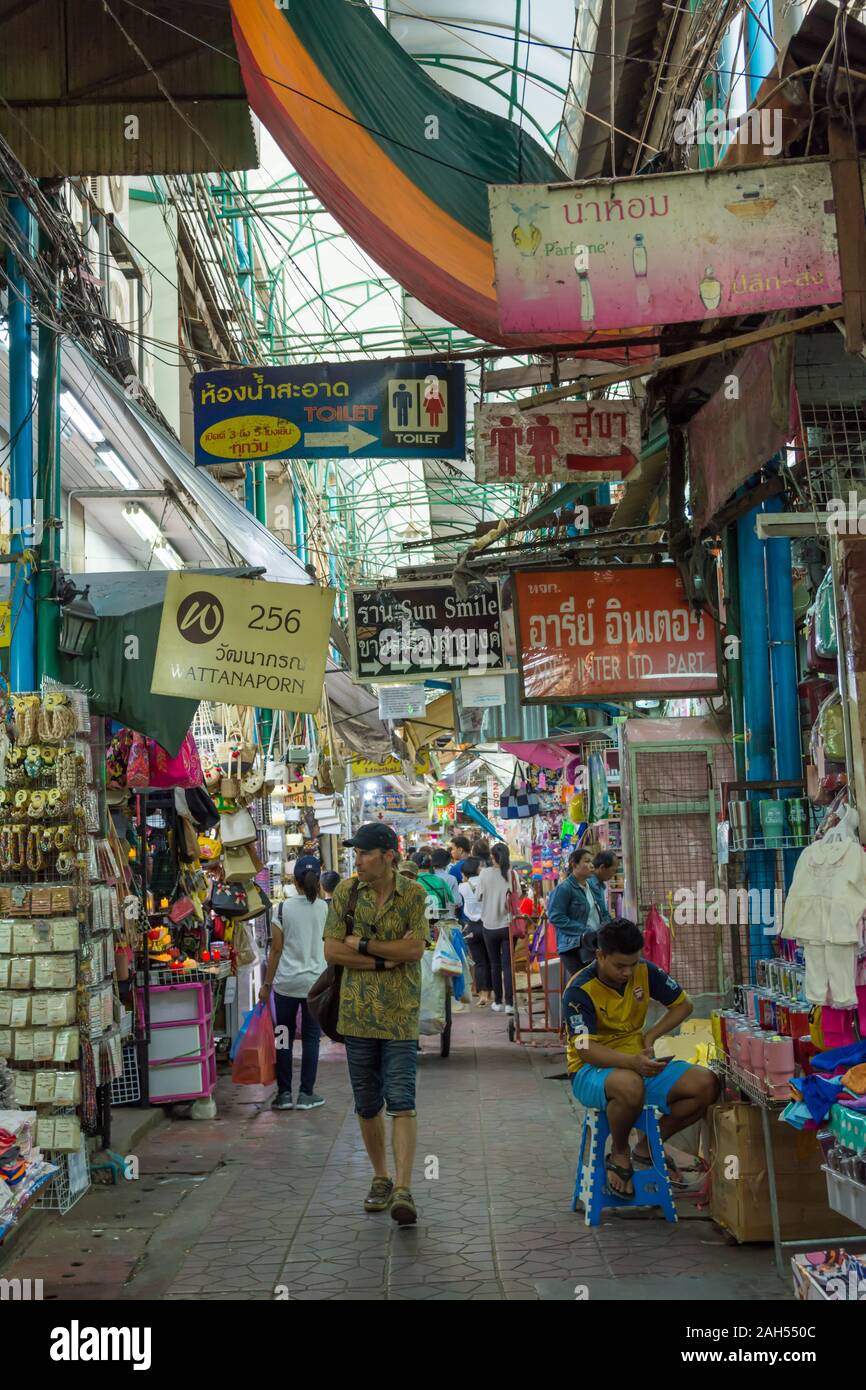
point(70, 1184)
point(126, 1089)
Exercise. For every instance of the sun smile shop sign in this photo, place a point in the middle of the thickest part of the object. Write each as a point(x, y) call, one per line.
point(627, 632)
point(243, 641)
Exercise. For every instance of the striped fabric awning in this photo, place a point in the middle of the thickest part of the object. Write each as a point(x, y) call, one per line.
point(400, 163)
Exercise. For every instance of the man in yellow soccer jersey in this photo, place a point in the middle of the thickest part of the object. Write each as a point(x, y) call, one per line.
point(610, 1057)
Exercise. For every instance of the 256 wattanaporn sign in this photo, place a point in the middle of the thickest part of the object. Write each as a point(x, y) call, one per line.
point(243, 641)
point(627, 632)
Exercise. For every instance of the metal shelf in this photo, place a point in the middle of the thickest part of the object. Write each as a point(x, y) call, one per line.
point(747, 1082)
point(757, 842)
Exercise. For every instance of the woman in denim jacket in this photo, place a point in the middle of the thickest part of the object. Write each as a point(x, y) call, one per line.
point(577, 908)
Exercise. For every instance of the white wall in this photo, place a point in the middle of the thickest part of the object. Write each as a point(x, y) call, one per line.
point(153, 230)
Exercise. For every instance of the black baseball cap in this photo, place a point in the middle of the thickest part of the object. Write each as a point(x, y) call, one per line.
point(374, 835)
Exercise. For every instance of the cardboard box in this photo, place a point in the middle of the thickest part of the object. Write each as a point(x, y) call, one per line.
point(740, 1199)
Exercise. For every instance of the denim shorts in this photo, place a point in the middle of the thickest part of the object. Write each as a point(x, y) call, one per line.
point(588, 1086)
point(382, 1071)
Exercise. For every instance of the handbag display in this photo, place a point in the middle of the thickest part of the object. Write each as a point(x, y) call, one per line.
point(518, 801)
point(237, 828)
point(209, 848)
point(182, 770)
point(229, 899)
point(238, 864)
point(181, 909)
point(323, 1000)
point(258, 901)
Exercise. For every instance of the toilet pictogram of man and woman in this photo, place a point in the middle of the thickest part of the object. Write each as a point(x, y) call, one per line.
point(432, 404)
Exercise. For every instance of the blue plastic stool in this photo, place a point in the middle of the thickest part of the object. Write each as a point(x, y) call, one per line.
point(652, 1186)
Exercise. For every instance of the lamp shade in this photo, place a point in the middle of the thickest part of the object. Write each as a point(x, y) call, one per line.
point(78, 622)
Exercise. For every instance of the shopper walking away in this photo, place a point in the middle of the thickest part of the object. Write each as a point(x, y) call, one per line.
point(460, 850)
point(481, 851)
point(330, 879)
point(473, 931)
point(577, 907)
point(441, 861)
point(380, 948)
point(295, 962)
point(439, 895)
point(494, 887)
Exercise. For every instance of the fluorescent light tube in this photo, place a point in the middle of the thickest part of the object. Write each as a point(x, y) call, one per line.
point(115, 465)
point(83, 422)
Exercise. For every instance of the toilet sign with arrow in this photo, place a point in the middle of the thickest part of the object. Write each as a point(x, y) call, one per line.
point(411, 408)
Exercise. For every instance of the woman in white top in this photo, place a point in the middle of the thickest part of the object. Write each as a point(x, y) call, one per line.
point(492, 888)
point(296, 960)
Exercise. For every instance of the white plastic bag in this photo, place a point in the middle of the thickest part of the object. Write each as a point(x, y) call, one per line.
point(434, 992)
point(446, 961)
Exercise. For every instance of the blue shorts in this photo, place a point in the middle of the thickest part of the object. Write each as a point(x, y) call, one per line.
point(588, 1085)
point(382, 1070)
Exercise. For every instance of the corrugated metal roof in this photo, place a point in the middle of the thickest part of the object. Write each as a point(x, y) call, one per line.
point(72, 81)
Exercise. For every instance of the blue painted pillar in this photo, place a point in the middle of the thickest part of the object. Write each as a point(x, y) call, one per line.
point(300, 525)
point(760, 53)
point(783, 669)
point(757, 704)
point(22, 653)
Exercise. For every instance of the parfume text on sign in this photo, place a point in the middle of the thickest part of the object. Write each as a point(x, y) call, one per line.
point(628, 631)
point(664, 248)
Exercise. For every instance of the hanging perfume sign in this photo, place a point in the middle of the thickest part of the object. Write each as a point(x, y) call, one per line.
point(625, 632)
point(588, 441)
point(664, 248)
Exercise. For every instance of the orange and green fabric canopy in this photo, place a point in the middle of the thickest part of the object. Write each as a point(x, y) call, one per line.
point(400, 163)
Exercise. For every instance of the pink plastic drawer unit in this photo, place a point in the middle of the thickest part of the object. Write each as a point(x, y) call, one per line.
point(181, 1062)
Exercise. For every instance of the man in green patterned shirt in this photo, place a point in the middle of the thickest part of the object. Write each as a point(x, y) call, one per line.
point(380, 1005)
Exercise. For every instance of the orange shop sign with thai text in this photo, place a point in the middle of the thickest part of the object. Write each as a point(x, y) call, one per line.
point(627, 632)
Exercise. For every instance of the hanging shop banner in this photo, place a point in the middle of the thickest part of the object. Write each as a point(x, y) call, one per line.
point(589, 441)
point(664, 248)
point(494, 794)
point(420, 631)
point(398, 408)
point(749, 419)
point(369, 767)
point(243, 641)
point(624, 632)
point(401, 702)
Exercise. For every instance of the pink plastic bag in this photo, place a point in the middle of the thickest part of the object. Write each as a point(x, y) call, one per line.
point(255, 1062)
point(184, 770)
point(657, 940)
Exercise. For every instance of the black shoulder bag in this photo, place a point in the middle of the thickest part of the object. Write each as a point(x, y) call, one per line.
point(323, 999)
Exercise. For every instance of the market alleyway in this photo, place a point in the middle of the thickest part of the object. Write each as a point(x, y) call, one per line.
point(257, 1202)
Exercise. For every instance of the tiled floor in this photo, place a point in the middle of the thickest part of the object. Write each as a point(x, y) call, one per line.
point(258, 1205)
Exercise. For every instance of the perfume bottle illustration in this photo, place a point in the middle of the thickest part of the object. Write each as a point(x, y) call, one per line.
point(638, 255)
point(587, 307)
point(710, 290)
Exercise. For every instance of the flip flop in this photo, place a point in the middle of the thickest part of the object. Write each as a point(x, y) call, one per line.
point(624, 1174)
point(675, 1177)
